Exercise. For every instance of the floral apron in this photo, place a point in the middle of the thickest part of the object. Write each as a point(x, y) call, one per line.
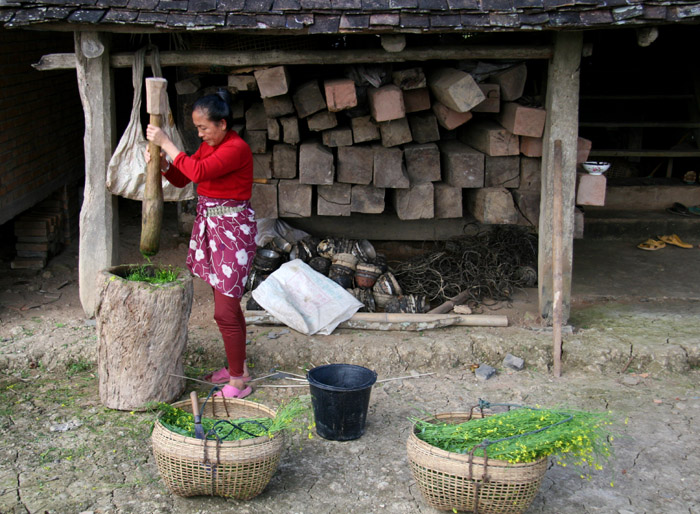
point(222, 247)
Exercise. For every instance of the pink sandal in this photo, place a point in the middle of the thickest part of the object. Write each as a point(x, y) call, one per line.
point(222, 376)
point(228, 391)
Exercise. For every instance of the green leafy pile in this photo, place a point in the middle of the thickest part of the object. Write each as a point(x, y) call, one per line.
point(526, 435)
point(289, 416)
point(153, 274)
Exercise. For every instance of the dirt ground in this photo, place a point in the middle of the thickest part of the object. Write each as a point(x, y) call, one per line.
point(63, 451)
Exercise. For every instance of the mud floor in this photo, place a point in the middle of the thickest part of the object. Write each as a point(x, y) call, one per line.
point(64, 452)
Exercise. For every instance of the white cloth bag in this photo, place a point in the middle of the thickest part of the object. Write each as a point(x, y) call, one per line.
point(126, 172)
point(305, 300)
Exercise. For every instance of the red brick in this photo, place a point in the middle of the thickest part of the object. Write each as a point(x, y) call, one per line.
point(448, 118)
point(591, 189)
point(340, 94)
point(416, 100)
point(522, 120)
point(531, 146)
point(386, 103)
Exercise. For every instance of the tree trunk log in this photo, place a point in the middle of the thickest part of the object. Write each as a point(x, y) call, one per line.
point(142, 335)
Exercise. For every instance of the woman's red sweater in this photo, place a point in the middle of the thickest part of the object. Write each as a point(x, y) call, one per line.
point(222, 171)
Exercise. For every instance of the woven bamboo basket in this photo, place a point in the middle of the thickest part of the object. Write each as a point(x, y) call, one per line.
point(234, 469)
point(449, 480)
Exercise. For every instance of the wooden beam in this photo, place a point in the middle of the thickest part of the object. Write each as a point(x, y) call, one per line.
point(99, 239)
point(562, 124)
point(235, 59)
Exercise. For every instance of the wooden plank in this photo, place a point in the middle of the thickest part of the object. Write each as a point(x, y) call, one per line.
point(466, 320)
point(561, 104)
point(289, 57)
point(99, 235)
point(644, 153)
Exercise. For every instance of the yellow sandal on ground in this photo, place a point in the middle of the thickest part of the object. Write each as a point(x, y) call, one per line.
point(674, 240)
point(651, 244)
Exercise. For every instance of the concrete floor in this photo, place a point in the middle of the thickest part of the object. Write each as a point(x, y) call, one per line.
point(610, 269)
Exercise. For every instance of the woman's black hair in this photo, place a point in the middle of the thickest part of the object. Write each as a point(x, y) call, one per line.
point(217, 107)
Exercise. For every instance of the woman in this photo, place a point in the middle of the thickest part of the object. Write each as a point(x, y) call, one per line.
point(222, 245)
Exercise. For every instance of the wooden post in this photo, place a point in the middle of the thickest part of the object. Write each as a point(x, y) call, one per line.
point(556, 253)
point(99, 218)
point(562, 124)
point(152, 212)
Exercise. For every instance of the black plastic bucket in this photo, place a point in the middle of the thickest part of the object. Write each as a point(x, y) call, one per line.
point(340, 397)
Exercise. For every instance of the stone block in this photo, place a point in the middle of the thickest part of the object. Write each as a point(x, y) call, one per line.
point(492, 102)
point(294, 199)
point(257, 140)
point(237, 83)
point(255, 118)
point(262, 165)
point(308, 99)
point(364, 129)
point(511, 82)
point(415, 100)
point(316, 164)
point(484, 372)
point(337, 137)
point(264, 200)
point(521, 120)
point(389, 169)
point(513, 362)
point(531, 146)
point(528, 206)
point(492, 205)
point(489, 137)
point(530, 174)
point(422, 163)
point(284, 161)
point(386, 103)
point(334, 200)
point(462, 165)
point(415, 203)
point(447, 201)
point(448, 118)
point(410, 79)
point(395, 132)
point(424, 127)
point(340, 94)
point(355, 164)
point(323, 120)
point(272, 81)
point(502, 171)
point(367, 199)
point(290, 130)
point(274, 133)
point(591, 189)
point(455, 89)
point(277, 106)
point(584, 148)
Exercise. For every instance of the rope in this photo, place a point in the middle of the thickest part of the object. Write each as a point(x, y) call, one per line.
point(490, 265)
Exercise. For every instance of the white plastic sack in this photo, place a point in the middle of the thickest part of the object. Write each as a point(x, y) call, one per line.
point(126, 172)
point(305, 300)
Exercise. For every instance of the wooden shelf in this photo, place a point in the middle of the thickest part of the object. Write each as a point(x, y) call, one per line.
point(644, 153)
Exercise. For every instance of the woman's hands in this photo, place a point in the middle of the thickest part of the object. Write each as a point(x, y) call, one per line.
point(164, 163)
point(156, 135)
point(160, 138)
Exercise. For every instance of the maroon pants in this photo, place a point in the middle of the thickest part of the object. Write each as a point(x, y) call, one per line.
point(229, 317)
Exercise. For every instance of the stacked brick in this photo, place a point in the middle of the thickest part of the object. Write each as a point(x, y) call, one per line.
point(424, 141)
point(42, 230)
